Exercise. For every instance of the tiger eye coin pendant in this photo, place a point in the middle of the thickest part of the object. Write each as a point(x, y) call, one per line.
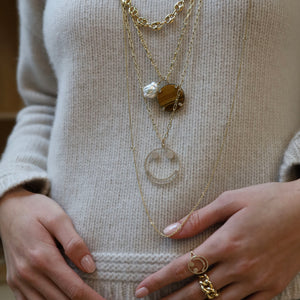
point(168, 95)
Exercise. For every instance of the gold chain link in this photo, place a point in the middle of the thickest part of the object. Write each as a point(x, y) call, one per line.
point(179, 44)
point(207, 287)
point(157, 25)
point(216, 164)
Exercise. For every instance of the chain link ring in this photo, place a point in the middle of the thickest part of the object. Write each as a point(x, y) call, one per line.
point(207, 287)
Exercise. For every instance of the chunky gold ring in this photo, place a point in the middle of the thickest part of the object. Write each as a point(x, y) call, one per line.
point(207, 287)
point(197, 264)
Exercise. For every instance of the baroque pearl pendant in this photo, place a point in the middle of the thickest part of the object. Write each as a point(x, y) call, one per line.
point(162, 166)
point(150, 90)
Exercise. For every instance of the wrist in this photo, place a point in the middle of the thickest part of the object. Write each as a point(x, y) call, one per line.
point(18, 190)
point(296, 184)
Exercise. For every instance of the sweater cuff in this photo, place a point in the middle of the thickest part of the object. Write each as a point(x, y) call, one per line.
point(35, 181)
point(290, 167)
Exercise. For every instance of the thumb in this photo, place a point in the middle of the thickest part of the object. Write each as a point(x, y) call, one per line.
point(75, 248)
point(217, 211)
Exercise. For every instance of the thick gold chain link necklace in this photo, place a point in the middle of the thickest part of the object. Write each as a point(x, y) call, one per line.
point(226, 131)
point(157, 25)
point(164, 151)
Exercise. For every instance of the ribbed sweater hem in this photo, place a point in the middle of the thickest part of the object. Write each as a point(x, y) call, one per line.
point(118, 275)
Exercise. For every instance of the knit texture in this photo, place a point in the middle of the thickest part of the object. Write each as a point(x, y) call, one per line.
point(74, 132)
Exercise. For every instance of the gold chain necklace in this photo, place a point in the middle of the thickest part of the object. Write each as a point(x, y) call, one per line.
point(216, 164)
point(157, 25)
point(166, 152)
point(167, 93)
point(179, 43)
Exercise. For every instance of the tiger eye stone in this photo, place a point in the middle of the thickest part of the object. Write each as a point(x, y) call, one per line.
point(167, 96)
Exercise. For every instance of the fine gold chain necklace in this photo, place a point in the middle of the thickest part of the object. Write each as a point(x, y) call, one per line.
point(216, 164)
point(164, 151)
point(165, 78)
point(137, 68)
point(157, 25)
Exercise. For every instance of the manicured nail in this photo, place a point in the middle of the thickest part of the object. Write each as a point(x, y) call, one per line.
point(88, 264)
point(142, 292)
point(171, 228)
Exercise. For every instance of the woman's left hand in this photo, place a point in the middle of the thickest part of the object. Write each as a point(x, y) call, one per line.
point(253, 255)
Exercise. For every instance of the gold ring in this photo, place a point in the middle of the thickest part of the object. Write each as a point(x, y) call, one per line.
point(197, 264)
point(207, 287)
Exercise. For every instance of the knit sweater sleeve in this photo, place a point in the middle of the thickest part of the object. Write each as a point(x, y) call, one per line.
point(290, 167)
point(24, 161)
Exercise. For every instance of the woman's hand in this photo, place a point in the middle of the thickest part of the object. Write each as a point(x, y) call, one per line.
point(30, 224)
point(253, 255)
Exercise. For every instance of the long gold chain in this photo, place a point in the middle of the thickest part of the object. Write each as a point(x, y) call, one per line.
point(157, 25)
point(182, 76)
point(216, 164)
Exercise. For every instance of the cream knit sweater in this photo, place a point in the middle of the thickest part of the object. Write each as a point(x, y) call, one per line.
point(72, 140)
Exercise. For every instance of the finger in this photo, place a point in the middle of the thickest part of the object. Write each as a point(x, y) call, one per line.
point(177, 271)
point(216, 212)
point(45, 287)
point(193, 290)
point(28, 292)
point(69, 282)
point(260, 296)
point(75, 248)
point(190, 291)
point(18, 295)
point(236, 291)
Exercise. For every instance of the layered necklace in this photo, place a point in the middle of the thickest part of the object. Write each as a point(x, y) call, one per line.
point(169, 96)
point(175, 100)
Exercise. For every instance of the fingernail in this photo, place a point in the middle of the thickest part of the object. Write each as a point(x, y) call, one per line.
point(142, 292)
point(171, 228)
point(88, 264)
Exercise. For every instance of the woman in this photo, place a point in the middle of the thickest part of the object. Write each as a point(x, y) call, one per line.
point(80, 178)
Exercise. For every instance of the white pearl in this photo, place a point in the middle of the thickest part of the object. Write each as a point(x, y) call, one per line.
point(150, 90)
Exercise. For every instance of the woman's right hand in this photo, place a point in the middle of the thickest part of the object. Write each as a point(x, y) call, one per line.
point(30, 224)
